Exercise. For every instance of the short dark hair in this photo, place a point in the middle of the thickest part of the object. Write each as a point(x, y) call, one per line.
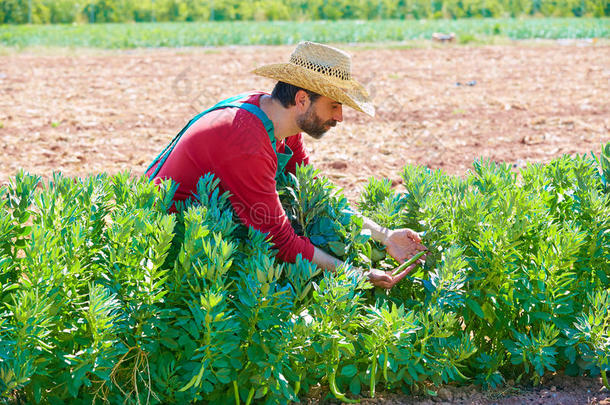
point(285, 93)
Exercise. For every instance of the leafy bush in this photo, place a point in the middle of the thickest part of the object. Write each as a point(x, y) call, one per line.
point(106, 296)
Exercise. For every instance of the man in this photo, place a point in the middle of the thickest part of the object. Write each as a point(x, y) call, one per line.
point(245, 141)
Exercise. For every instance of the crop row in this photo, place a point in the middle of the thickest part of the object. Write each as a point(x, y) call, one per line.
point(107, 297)
point(283, 32)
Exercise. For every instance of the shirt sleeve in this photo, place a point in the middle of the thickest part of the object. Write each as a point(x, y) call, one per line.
point(299, 153)
point(250, 178)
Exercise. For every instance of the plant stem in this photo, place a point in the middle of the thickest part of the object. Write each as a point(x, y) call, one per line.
point(422, 348)
point(373, 372)
point(605, 379)
point(236, 392)
point(250, 395)
point(385, 364)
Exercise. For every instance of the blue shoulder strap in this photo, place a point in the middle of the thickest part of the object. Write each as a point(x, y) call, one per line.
point(260, 114)
point(159, 161)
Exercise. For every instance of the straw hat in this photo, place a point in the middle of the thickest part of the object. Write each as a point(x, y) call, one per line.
point(324, 70)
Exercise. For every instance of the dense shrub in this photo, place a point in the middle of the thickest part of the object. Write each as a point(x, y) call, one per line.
point(104, 295)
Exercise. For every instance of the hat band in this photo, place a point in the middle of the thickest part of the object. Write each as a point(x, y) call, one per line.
point(325, 70)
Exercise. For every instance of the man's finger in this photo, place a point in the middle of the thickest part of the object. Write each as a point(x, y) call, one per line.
point(380, 280)
point(384, 284)
point(420, 248)
point(414, 235)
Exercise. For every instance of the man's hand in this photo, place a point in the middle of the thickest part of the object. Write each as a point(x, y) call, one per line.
point(402, 244)
point(384, 279)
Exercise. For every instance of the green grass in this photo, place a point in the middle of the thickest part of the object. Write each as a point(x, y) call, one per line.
point(132, 35)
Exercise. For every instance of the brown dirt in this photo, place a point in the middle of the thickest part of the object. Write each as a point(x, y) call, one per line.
point(87, 111)
point(557, 389)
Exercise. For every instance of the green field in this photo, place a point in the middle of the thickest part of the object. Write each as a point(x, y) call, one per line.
point(133, 35)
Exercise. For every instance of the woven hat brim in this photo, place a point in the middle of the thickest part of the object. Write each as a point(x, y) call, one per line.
point(348, 92)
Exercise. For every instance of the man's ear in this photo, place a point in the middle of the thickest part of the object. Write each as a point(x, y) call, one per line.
point(301, 100)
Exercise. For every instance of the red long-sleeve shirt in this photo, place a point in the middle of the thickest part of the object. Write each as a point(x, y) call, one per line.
point(233, 144)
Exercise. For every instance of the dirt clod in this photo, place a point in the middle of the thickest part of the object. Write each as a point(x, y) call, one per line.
point(444, 394)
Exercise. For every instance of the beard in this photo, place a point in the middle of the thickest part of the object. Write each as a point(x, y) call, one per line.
point(312, 124)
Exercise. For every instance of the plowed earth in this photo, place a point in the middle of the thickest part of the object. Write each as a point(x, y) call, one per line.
point(87, 111)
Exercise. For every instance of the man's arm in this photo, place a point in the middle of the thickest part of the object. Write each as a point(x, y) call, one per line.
point(378, 232)
point(378, 278)
point(324, 260)
point(250, 178)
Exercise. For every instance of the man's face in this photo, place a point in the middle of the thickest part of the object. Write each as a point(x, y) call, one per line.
point(320, 116)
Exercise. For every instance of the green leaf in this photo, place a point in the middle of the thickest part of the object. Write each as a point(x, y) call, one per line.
point(207, 387)
point(260, 392)
point(37, 389)
point(169, 343)
point(475, 307)
point(570, 353)
point(338, 248)
point(223, 376)
point(412, 372)
point(363, 237)
point(349, 371)
point(24, 217)
point(545, 316)
point(354, 385)
point(21, 243)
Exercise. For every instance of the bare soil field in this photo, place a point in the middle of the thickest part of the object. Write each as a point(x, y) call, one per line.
point(88, 111)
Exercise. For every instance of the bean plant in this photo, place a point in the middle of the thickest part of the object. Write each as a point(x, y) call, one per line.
point(111, 292)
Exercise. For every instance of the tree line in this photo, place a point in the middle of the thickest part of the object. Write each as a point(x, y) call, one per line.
point(92, 11)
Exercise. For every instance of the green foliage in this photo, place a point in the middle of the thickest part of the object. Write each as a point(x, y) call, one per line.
point(318, 210)
point(18, 12)
point(100, 11)
point(590, 337)
point(107, 297)
point(525, 283)
point(285, 32)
